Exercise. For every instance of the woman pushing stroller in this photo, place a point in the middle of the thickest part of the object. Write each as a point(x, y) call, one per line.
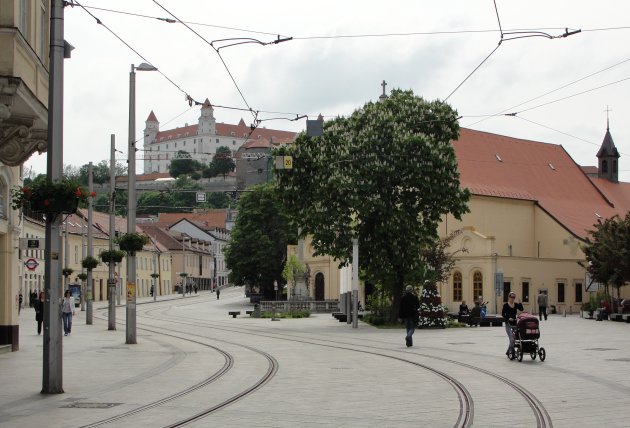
point(509, 314)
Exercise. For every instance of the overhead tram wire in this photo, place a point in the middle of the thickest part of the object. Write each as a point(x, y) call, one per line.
point(279, 40)
point(514, 36)
point(357, 36)
point(487, 116)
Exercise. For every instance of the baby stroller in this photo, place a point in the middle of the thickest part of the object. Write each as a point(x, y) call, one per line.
point(526, 335)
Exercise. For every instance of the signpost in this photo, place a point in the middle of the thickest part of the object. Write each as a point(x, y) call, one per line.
point(201, 196)
point(32, 243)
point(31, 264)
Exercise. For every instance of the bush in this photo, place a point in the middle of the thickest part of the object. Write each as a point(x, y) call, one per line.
point(294, 314)
point(374, 319)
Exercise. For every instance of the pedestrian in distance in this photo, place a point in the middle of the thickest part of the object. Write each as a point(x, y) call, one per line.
point(408, 313)
point(39, 312)
point(218, 292)
point(509, 314)
point(195, 288)
point(20, 300)
point(67, 310)
point(543, 302)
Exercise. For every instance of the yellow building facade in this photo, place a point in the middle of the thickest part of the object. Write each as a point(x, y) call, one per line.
point(24, 33)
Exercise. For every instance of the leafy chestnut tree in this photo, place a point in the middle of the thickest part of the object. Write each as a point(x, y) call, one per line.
point(386, 174)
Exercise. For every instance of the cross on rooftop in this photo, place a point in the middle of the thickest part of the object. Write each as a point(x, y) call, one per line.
point(607, 118)
point(384, 84)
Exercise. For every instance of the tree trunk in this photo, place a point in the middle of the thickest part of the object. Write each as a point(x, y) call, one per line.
point(397, 290)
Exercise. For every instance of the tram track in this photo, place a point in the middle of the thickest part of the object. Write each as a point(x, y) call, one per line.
point(466, 404)
point(272, 368)
point(541, 416)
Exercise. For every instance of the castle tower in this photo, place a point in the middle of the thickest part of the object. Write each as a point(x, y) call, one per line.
point(207, 122)
point(151, 129)
point(608, 157)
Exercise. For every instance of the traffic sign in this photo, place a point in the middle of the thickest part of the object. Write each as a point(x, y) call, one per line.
point(201, 196)
point(31, 264)
point(275, 285)
point(32, 243)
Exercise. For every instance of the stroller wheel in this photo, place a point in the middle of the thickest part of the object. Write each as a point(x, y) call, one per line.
point(542, 354)
point(520, 355)
point(533, 355)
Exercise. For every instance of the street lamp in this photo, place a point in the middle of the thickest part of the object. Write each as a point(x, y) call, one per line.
point(131, 204)
point(183, 274)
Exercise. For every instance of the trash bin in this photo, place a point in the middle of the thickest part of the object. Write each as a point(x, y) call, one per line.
point(257, 310)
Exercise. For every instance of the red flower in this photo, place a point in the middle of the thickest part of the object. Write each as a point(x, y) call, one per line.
point(78, 192)
point(93, 194)
point(46, 202)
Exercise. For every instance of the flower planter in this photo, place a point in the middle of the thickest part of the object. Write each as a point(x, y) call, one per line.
point(132, 242)
point(89, 263)
point(114, 256)
point(43, 196)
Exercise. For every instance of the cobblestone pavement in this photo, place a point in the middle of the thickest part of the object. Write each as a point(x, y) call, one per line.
point(194, 360)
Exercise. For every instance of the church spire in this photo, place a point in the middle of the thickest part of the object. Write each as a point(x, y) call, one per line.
point(608, 156)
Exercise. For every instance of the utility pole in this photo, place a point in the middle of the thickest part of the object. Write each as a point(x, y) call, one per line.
point(52, 374)
point(130, 308)
point(90, 286)
point(66, 254)
point(111, 283)
point(355, 282)
point(83, 254)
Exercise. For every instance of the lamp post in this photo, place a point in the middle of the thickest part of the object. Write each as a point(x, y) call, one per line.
point(183, 274)
point(130, 330)
point(111, 282)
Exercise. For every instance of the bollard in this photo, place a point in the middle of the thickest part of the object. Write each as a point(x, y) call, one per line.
point(257, 310)
point(564, 312)
point(349, 307)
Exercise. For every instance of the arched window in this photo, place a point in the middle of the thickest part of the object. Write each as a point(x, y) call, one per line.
point(457, 286)
point(477, 285)
point(604, 166)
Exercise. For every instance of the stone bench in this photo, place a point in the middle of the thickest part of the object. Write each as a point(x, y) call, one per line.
point(234, 313)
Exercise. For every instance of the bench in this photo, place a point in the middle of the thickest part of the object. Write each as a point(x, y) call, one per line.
point(234, 313)
point(341, 317)
point(249, 312)
point(487, 321)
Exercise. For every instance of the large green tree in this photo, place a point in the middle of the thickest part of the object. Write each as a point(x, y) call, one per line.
point(183, 164)
point(386, 174)
point(257, 249)
point(607, 251)
point(222, 163)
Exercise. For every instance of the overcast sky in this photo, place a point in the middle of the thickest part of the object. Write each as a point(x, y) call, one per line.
point(320, 72)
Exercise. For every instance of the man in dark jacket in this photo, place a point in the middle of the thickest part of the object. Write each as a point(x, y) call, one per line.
point(408, 312)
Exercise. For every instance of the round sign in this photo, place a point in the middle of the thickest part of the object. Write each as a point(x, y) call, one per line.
point(31, 264)
point(275, 285)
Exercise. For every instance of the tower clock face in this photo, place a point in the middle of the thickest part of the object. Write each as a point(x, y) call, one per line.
point(151, 125)
point(205, 113)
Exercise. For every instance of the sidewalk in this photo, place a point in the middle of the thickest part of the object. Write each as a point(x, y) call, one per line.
point(328, 373)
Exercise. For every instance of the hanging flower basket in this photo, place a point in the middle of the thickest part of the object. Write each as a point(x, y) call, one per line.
point(183, 275)
point(89, 263)
point(114, 256)
point(67, 271)
point(132, 242)
point(44, 196)
point(82, 276)
point(155, 275)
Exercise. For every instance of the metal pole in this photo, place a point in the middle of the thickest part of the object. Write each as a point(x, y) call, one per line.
point(52, 361)
point(90, 285)
point(154, 276)
point(66, 254)
point(83, 254)
point(355, 282)
point(130, 312)
point(183, 266)
point(111, 284)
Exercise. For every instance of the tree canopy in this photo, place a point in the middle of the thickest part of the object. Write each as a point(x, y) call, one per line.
point(183, 164)
point(386, 174)
point(221, 164)
point(607, 251)
point(257, 249)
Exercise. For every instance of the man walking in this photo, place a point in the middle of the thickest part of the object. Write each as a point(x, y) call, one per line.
point(543, 301)
point(408, 312)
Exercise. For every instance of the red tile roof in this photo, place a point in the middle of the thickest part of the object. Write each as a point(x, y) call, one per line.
point(152, 117)
point(617, 193)
point(144, 177)
point(209, 218)
point(589, 169)
point(496, 165)
point(226, 130)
